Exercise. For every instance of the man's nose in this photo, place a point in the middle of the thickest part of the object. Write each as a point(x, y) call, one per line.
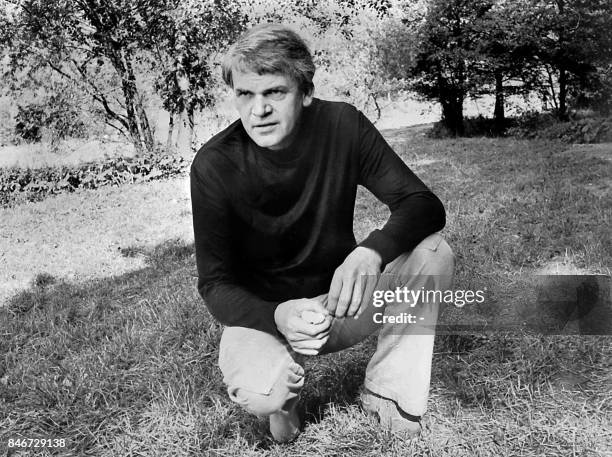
point(260, 106)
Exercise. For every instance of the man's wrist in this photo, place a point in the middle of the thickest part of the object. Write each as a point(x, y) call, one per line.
point(279, 317)
point(276, 314)
point(375, 255)
point(380, 243)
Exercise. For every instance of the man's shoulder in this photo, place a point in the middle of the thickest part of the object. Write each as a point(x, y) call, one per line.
point(337, 121)
point(336, 117)
point(332, 109)
point(219, 146)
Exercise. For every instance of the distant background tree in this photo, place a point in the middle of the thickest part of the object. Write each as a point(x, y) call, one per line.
point(504, 57)
point(136, 58)
point(444, 66)
point(455, 49)
point(574, 48)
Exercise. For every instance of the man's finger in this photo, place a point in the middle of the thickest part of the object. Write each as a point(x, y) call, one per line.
point(370, 285)
point(306, 328)
point(357, 296)
point(345, 297)
point(314, 305)
point(309, 344)
point(302, 336)
point(306, 351)
point(334, 292)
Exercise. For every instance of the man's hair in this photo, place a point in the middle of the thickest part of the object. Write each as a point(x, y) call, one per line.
point(271, 49)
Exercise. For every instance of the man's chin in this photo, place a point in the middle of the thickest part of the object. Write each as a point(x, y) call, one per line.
point(268, 143)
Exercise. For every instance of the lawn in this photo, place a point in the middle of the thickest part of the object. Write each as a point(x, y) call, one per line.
point(122, 361)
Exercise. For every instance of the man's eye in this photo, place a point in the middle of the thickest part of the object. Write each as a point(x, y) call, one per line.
point(243, 94)
point(276, 94)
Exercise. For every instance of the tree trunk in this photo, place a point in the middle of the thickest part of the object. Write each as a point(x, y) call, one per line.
point(499, 114)
point(562, 113)
point(452, 110)
point(181, 128)
point(170, 132)
point(562, 94)
point(452, 117)
point(191, 125)
point(138, 124)
point(128, 94)
point(141, 116)
point(145, 128)
point(451, 99)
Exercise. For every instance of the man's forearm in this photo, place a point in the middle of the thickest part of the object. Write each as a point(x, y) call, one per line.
point(235, 306)
point(412, 220)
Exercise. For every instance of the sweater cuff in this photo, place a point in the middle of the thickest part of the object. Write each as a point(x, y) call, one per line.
point(266, 322)
point(381, 243)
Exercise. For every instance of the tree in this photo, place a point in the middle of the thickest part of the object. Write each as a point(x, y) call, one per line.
point(105, 46)
point(195, 33)
point(78, 39)
point(574, 46)
point(444, 61)
point(504, 52)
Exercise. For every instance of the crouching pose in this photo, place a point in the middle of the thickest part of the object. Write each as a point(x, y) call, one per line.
point(273, 198)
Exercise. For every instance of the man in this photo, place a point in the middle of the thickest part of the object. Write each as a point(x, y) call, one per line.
point(273, 197)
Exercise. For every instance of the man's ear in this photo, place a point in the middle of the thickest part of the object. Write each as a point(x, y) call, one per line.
point(307, 100)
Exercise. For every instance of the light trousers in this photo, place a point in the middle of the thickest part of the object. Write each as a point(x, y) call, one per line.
point(264, 375)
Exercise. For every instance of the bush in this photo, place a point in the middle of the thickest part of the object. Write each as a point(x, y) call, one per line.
point(545, 126)
point(530, 123)
point(17, 185)
point(57, 116)
point(29, 122)
point(473, 127)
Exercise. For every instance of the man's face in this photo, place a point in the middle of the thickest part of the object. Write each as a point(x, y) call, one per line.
point(270, 106)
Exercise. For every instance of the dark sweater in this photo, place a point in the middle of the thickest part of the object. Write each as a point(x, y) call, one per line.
point(271, 226)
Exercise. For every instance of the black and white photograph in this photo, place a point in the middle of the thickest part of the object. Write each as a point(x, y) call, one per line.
point(306, 228)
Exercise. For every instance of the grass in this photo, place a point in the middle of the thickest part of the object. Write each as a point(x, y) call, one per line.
point(82, 235)
point(125, 363)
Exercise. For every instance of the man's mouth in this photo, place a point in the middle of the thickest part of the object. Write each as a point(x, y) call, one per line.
point(268, 124)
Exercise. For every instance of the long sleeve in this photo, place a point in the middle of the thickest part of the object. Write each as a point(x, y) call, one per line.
point(230, 303)
point(415, 211)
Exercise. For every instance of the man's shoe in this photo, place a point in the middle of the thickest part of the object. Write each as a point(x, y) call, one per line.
point(390, 415)
point(285, 425)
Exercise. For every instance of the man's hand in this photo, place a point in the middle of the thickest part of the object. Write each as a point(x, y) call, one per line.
point(305, 324)
point(352, 280)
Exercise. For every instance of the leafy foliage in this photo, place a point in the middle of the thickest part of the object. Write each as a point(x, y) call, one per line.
point(186, 52)
point(445, 55)
point(469, 48)
point(573, 46)
point(56, 115)
point(17, 185)
point(107, 47)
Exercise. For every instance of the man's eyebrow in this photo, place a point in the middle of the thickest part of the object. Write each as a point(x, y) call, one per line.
point(280, 87)
point(275, 88)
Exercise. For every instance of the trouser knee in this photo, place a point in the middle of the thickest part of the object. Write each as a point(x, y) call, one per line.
point(432, 257)
point(283, 395)
point(437, 261)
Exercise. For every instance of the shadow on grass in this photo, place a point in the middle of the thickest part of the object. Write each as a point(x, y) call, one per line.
point(89, 361)
point(130, 362)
